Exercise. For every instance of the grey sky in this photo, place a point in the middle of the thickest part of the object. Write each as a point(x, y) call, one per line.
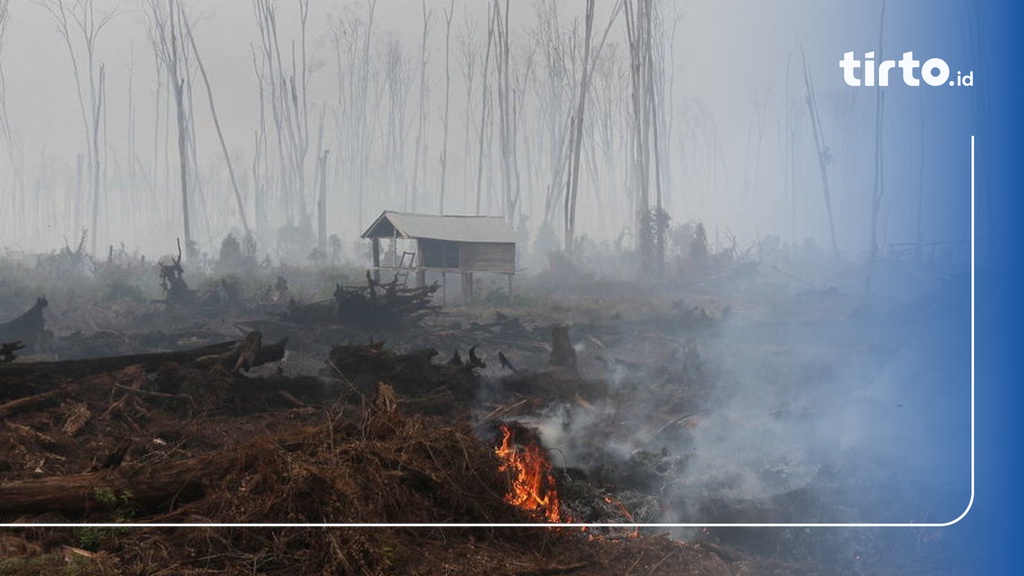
point(728, 55)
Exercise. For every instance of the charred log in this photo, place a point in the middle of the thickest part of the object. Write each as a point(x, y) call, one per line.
point(413, 374)
point(172, 280)
point(236, 354)
point(563, 355)
point(28, 329)
point(245, 355)
point(151, 488)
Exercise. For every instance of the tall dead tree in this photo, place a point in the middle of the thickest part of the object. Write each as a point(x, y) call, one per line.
point(397, 85)
point(484, 107)
point(470, 57)
point(655, 87)
point(524, 76)
point(639, 34)
point(166, 31)
point(419, 158)
point(260, 168)
point(320, 180)
point(352, 39)
point(824, 155)
point(7, 201)
point(878, 189)
point(284, 92)
point(576, 142)
point(506, 111)
point(449, 13)
point(220, 133)
point(789, 152)
point(79, 24)
point(558, 57)
point(609, 108)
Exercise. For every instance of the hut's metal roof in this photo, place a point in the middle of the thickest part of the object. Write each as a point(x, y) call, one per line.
point(451, 228)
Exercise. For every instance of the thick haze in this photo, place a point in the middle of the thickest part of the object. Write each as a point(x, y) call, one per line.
point(727, 91)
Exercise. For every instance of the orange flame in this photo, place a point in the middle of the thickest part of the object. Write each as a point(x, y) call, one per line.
point(533, 484)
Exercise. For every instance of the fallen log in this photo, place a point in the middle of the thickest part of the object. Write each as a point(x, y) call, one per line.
point(249, 352)
point(555, 570)
point(150, 361)
point(146, 488)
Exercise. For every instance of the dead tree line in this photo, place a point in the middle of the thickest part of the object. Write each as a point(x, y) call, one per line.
point(8, 208)
point(576, 141)
point(357, 101)
point(553, 126)
point(80, 25)
point(640, 33)
point(283, 80)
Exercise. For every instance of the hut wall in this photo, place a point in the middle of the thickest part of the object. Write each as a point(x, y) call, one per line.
point(488, 257)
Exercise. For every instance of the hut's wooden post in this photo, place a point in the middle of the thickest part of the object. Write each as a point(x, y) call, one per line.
point(421, 272)
point(376, 259)
point(467, 287)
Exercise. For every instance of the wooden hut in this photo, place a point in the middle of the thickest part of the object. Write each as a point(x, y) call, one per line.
point(443, 244)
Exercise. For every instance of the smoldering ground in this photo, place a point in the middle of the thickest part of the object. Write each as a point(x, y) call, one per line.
point(843, 400)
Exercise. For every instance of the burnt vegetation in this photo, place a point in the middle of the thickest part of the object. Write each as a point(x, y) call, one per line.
point(376, 405)
point(575, 336)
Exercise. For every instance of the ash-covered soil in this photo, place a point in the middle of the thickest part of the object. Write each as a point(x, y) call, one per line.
point(741, 395)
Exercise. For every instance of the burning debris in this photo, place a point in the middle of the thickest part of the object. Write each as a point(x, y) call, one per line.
point(613, 424)
point(532, 480)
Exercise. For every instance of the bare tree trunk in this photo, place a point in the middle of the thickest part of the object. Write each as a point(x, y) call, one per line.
point(5, 124)
point(556, 122)
point(578, 119)
point(285, 91)
point(824, 157)
point(504, 92)
point(220, 133)
point(638, 31)
point(470, 56)
point(659, 218)
point(321, 180)
point(321, 205)
point(260, 165)
point(577, 133)
point(789, 173)
point(191, 250)
point(97, 111)
point(165, 37)
point(879, 188)
point(449, 13)
point(83, 17)
point(492, 15)
point(420, 156)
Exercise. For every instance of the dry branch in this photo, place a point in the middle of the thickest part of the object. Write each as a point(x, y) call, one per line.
point(8, 408)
